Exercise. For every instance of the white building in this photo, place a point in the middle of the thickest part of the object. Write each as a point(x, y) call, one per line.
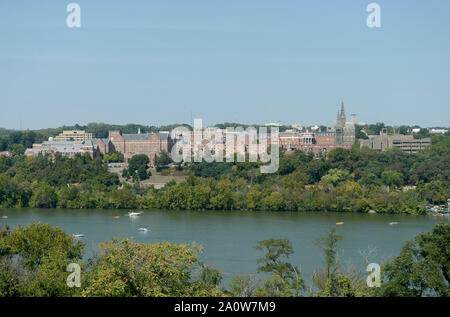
point(438, 131)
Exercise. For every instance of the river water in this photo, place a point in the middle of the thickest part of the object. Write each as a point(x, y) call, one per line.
point(228, 237)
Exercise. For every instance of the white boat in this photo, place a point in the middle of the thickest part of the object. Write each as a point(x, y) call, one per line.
point(393, 223)
point(78, 235)
point(144, 229)
point(132, 213)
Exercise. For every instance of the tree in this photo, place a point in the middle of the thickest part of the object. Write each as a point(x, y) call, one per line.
point(286, 278)
point(44, 196)
point(33, 261)
point(341, 287)
point(392, 178)
point(138, 166)
point(138, 160)
point(162, 160)
point(287, 164)
point(404, 130)
point(142, 173)
point(125, 268)
point(274, 201)
point(242, 286)
point(113, 157)
point(335, 176)
point(422, 268)
point(423, 133)
point(328, 244)
point(17, 149)
point(210, 276)
point(359, 133)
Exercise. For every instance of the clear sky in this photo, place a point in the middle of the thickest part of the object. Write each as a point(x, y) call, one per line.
point(155, 62)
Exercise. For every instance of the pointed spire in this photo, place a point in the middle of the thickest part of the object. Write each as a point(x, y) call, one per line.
point(342, 107)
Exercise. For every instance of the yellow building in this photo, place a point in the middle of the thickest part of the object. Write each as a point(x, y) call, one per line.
point(73, 135)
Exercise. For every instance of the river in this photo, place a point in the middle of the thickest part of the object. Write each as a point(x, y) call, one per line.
point(228, 237)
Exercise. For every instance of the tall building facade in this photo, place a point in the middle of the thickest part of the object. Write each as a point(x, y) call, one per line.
point(342, 135)
point(345, 131)
point(150, 144)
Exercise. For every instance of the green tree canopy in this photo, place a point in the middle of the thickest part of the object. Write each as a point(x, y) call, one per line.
point(286, 278)
point(33, 261)
point(138, 165)
point(422, 268)
point(124, 269)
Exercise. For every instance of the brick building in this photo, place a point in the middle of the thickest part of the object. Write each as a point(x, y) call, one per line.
point(104, 145)
point(341, 136)
point(150, 144)
point(316, 142)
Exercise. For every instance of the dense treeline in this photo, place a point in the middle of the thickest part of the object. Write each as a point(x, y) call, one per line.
point(44, 182)
point(34, 261)
point(357, 180)
point(348, 180)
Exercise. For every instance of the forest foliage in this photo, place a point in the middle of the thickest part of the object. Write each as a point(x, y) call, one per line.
point(356, 180)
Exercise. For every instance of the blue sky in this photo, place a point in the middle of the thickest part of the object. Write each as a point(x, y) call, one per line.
point(155, 62)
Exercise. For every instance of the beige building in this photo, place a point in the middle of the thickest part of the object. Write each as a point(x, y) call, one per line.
point(406, 142)
point(73, 135)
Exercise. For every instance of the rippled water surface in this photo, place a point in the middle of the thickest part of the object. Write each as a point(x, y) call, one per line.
point(228, 237)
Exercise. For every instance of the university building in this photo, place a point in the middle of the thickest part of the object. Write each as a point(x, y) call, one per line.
point(73, 135)
point(342, 135)
point(65, 148)
point(150, 144)
point(384, 141)
point(216, 139)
